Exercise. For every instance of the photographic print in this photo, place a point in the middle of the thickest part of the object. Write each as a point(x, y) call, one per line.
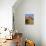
point(29, 19)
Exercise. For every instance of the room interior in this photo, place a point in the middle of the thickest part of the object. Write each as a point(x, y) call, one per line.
point(15, 30)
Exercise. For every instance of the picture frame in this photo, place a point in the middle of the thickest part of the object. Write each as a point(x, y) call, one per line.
point(29, 19)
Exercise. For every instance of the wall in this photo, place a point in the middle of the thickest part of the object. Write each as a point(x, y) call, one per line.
point(43, 22)
point(32, 32)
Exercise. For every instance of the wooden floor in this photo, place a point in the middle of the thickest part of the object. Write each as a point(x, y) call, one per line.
point(9, 43)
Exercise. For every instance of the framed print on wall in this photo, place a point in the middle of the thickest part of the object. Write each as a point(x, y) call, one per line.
point(29, 19)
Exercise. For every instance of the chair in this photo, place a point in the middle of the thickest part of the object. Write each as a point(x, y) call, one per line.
point(29, 43)
point(18, 39)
